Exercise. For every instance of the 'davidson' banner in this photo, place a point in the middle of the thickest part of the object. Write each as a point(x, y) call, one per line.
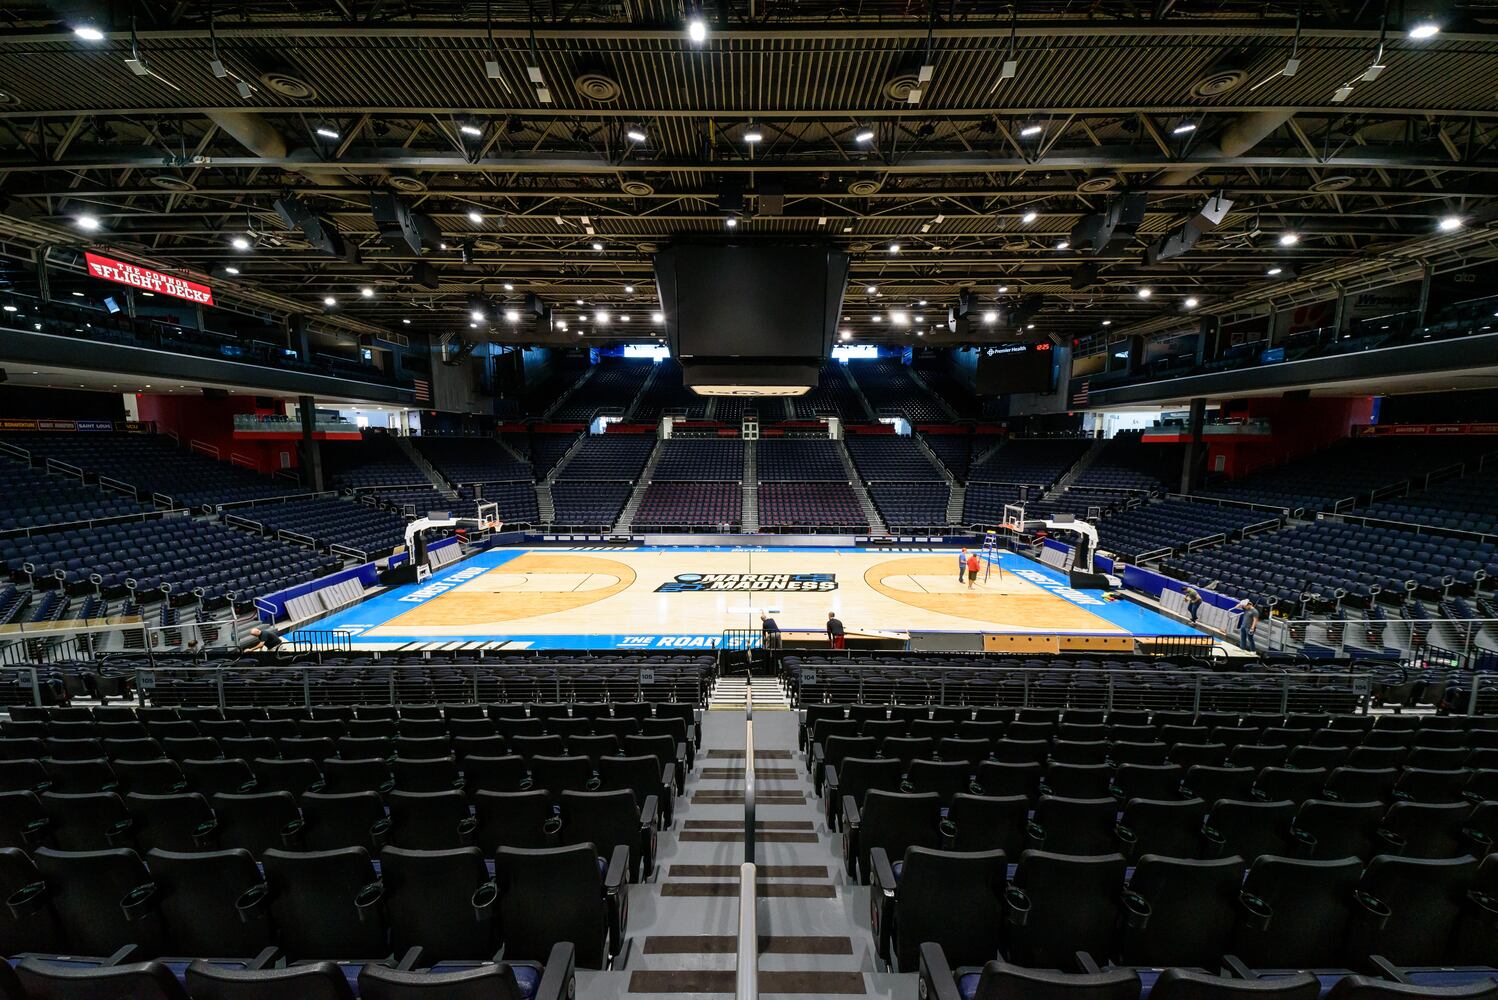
point(136, 276)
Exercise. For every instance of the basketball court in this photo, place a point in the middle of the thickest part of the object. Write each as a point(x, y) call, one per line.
point(648, 597)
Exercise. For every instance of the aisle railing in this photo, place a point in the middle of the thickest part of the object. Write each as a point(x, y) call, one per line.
point(746, 980)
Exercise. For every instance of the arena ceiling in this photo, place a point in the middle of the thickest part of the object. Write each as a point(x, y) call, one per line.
point(510, 124)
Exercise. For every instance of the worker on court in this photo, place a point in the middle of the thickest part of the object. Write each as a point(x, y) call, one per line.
point(836, 634)
point(972, 569)
point(961, 564)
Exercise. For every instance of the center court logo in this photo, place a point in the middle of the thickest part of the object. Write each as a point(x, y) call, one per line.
point(697, 583)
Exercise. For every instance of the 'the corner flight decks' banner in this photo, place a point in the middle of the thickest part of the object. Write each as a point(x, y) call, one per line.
point(124, 273)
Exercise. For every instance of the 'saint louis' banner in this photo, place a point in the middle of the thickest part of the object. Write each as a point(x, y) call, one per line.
point(124, 273)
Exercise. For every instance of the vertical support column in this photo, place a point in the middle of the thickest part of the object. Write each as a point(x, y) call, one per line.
point(1426, 273)
point(311, 453)
point(1195, 459)
point(1136, 355)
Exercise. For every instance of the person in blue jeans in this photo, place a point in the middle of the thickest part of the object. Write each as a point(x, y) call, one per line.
point(961, 564)
point(1248, 620)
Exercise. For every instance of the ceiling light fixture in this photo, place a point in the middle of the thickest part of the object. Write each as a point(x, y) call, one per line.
point(468, 128)
point(871, 290)
point(327, 132)
point(597, 246)
point(1107, 322)
point(509, 287)
point(474, 215)
point(1003, 289)
point(407, 322)
point(894, 248)
point(1029, 217)
point(1030, 131)
point(1450, 223)
point(697, 29)
point(635, 133)
point(1274, 270)
point(1192, 302)
point(329, 301)
point(240, 243)
point(88, 33)
point(1289, 239)
point(657, 318)
point(864, 135)
point(1145, 293)
point(86, 222)
point(629, 289)
point(990, 318)
point(752, 135)
point(1424, 29)
point(367, 292)
point(731, 222)
point(231, 270)
point(1183, 128)
point(1064, 245)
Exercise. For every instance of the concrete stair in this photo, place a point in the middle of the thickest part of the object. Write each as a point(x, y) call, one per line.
point(916, 377)
point(545, 504)
point(858, 390)
point(439, 484)
point(637, 495)
point(634, 404)
point(556, 470)
point(1088, 457)
point(751, 487)
point(556, 403)
point(877, 527)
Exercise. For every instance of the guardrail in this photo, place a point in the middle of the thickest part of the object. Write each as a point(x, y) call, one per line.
point(746, 975)
point(264, 679)
point(1460, 636)
point(1087, 688)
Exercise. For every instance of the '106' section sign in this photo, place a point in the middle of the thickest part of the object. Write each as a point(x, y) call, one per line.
point(135, 276)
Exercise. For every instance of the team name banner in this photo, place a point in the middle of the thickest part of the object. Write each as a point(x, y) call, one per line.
point(123, 273)
point(697, 583)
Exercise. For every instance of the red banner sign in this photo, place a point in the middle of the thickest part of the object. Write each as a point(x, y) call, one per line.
point(143, 278)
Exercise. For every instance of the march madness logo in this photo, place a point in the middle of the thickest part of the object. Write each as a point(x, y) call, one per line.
point(696, 583)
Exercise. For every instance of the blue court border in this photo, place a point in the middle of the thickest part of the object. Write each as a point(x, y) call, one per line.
point(381, 609)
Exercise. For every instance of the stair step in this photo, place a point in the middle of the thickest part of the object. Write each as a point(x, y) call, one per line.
point(717, 981)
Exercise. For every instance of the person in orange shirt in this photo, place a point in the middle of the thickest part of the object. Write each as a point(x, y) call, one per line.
point(972, 569)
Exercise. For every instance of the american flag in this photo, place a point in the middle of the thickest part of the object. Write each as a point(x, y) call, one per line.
point(1079, 394)
point(423, 390)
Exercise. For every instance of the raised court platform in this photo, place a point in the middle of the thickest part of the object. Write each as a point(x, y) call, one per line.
point(650, 597)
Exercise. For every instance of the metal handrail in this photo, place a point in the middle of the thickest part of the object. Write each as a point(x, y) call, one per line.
point(746, 979)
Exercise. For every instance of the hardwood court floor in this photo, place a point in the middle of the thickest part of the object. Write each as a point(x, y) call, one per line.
point(557, 592)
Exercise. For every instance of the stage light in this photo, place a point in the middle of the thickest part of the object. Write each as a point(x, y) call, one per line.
point(1450, 223)
point(697, 29)
point(1289, 239)
point(635, 133)
point(367, 292)
point(326, 132)
point(329, 301)
point(467, 128)
point(1183, 128)
point(239, 243)
point(1192, 302)
point(1029, 217)
point(990, 318)
point(474, 215)
point(1031, 130)
point(1424, 29)
point(864, 135)
point(1145, 293)
point(88, 33)
point(86, 222)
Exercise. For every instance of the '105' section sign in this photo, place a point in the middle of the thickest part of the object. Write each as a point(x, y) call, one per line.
point(135, 276)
